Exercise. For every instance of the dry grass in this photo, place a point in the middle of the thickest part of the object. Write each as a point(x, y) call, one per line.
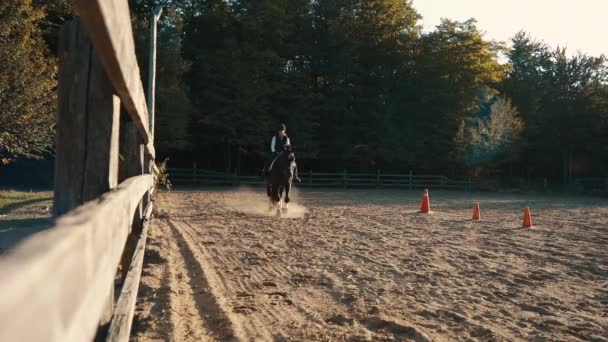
point(23, 213)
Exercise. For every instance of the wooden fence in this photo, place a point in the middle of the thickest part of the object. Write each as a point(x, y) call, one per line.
point(591, 185)
point(345, 179)
point(60, 284)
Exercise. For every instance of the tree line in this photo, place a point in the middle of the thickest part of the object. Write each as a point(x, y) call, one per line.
point(358, 83)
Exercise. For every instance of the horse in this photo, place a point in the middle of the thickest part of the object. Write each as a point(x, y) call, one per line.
point(279, 179)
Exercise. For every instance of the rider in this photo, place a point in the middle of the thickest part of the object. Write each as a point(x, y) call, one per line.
point(277, 145)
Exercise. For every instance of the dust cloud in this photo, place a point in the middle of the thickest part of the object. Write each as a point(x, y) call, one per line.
point(255, 202)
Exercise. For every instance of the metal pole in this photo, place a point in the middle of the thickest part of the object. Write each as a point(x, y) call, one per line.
point(152, 66)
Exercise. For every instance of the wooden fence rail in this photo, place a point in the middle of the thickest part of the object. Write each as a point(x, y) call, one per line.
point(55, 285)
point(192, 176)
point(59, 284)
point(592, 184)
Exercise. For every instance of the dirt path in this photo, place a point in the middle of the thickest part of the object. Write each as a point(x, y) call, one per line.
point(364, 266)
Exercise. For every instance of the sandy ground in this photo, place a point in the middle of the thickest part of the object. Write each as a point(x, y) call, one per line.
point(364, 266)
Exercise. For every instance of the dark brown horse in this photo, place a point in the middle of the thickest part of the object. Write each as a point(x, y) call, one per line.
point(279, 179)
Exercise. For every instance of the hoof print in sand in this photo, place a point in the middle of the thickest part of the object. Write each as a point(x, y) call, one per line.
point(279, 298)
point(340, 320)
point(245, 309)
point(399, 331)
point(539, 310)
point(269, 284)
point(244, 295)
point(245, 304)
point(481, 332)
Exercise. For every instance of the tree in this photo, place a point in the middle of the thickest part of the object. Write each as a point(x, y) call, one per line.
point(558, 96)
point(173, 105)
point(454, 64)
point(493, 137)
point(27, 83)
point(56, 14)
point(567, 111)
point(357, 82)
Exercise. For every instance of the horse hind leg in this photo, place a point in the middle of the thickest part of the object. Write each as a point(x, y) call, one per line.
point(285, 201)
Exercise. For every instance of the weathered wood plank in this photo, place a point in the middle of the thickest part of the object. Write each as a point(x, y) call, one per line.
point(102, 134)
point(109, 25)
point(125, 308)
point(87, 127)
point(150, 150)
point(75, 59)
point(59, 279)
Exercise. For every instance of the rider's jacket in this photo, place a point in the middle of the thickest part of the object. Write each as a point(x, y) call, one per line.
point(277, 143)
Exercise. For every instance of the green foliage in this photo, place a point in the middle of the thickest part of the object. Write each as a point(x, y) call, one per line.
point(491, 138)
point(56, 14)
point(172, 103)
point(455, 66)
point(27, 83)
point(162, 175)
point(358, 81)
point(562, 99)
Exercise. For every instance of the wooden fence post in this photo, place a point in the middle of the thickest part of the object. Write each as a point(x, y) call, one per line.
point(411, 179)
point(194, 180)
point(87, 130)
point(86, 163)
point(310, 177)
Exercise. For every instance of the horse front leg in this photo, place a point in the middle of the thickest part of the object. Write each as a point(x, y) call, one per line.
point(287, 191)
point(270, 197)
point(285, 207)
point(276, 195)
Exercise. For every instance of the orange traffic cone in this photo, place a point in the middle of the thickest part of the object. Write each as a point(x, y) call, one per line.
point(476, 214)
point(527, 218)
point(426, 205)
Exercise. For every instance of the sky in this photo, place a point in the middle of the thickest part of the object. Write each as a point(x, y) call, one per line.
point(578, 25)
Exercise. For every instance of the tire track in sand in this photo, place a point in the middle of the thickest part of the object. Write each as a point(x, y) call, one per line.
point(253, 307)
point(166, 310)
point(202, 280)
